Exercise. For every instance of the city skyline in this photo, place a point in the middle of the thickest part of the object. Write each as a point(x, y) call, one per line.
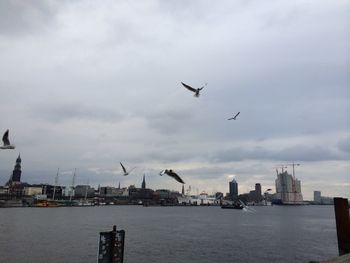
point(232, 192)
point(87, 85)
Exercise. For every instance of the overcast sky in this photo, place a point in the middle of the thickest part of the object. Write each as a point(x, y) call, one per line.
point(87, 84)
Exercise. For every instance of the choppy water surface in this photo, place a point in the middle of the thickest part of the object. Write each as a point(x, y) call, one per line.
point(170, 234)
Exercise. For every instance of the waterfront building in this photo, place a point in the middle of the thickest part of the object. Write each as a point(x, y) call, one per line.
point(4, 190)
point(288, 189)
point(258, 192)
point(49, 191)
point(109, 191)
point(82, 191)
point(254, 196)
point(33, 190)
point(233, 189)
point(325, 200)
point(164, 196)
point(322, 200)
point(317, 197)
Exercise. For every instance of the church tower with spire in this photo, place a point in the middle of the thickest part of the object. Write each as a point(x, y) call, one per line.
point(16, 174)
point(143, 186)
point(14, 184)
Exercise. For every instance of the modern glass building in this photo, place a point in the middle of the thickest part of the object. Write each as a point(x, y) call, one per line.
point(233, 189)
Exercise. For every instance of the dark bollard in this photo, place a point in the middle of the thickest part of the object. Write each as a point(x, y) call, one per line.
point(111, 246)
point(341, 209)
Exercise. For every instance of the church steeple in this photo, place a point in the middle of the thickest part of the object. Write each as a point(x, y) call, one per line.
point(143, 186)
point(16, 174)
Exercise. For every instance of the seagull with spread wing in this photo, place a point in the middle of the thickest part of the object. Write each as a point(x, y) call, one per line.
point(125, 171)
point(172, 174)
point(234, 118)
point(196, 91)
point(6, 141)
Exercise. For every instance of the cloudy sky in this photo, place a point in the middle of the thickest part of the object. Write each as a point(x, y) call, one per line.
point(87, 84)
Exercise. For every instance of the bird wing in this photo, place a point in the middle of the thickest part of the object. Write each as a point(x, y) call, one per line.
point(175, 176)
point(124, 170)
point(132, 169)
point(5, 138)
point(230, 119)
point(203, 86)
point(236, 115)
point(188, 87)
point(162, 172)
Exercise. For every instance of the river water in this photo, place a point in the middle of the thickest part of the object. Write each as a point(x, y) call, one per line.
point(170, 234)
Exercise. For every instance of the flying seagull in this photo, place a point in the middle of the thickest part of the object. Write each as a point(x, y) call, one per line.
point(234, 118)
point(196, 91)
point(6, 141)
point(125, 171)
point(172, 174)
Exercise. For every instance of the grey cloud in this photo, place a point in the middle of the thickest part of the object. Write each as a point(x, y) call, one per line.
point(306, 153)
point(240, 154)
point(26, 17)
point(295, 153)
point(344, 144)
point(68, 111)
point(206, 172)
point(169, 121)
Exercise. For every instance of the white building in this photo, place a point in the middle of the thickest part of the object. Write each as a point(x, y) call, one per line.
point(33, 190)
point(202, 199)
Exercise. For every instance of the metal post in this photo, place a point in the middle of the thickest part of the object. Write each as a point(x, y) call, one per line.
point(111, 246)
point(341, 209)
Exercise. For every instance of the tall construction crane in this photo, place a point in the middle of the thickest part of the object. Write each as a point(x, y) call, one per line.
point(293, 165)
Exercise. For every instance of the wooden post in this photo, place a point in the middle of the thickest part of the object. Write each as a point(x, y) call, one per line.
point(341, 209)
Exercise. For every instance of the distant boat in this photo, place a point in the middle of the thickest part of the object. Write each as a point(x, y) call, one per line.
point(46, 203)
point(232, 206)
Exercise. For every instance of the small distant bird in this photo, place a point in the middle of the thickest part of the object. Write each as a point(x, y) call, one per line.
point(6, 141)
point(125, 171)
point(172, 174)
point(196, 91)
point(234, 118)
